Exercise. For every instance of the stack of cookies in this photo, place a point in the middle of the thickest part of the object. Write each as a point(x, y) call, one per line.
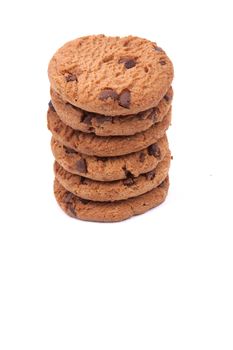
point(109, 111)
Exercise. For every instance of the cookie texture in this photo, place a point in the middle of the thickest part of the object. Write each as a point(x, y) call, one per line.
point(115, 190)
point(109, 211)
point(101, 125)
point(111, 75)
point(105, 146)
point(112, 168)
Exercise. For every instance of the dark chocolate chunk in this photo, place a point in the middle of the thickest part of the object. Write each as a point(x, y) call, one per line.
point(128, 182)
point(157, 48)
point(82, 165)
point(83, 180)
point(124, 98)
point(70, 77)
point(167, 98)
point(51, 106)
point(128, 62)
point(69, 150)
point(68, 196)
point(142, 157)
point(71, 210)
point(129, 178)
point(156, 110)
point(162, 62)
point(86, 118)
point(162, 184)
point(146, 114)
point(155, 113)
point(84, 201)
point(150, 175)
point(154, 150)
point(108, 93)
point(102, 118)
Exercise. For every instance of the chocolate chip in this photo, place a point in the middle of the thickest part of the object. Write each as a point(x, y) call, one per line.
point(82, 180)
point(154, 150)
point(146, 114)
point(155, 114)
point(68, 199)
point(171, 157)
point(68, 196)
point(51, 106)
point(71, 210)
point(128, 182)
point(167, 98)
point(157, 48)
point(129, 177)
point(150, 175)
point(162, 62)
point(82, 165)
point(108, 93)
point(128, 174)
point(124, 98)
point(69, 150)
point(102, 118)
point(162, 184)
point(142, 116)
point(86, 119)
point(128, 62)
point(71, 77)
point(142, 157)
point(84, 201)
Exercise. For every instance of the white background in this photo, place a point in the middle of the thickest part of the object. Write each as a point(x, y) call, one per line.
point(163, 280)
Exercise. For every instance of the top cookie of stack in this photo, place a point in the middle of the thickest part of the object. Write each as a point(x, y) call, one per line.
point(111, 75)
point(110, 97)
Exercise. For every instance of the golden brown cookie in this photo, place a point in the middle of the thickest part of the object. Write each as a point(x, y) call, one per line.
point(109, 211)
point(108, 146)
point(114, 190)
point(101, 125)
point(113, 168)
point(111, 75)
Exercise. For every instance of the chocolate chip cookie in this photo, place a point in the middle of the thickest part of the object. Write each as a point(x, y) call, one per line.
point(111, 75)
point(101, 146)
point(114, 190)
point(101, 125)
point(113, 168)
point(109, 211)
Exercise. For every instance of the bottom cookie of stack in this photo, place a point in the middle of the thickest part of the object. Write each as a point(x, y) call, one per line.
point(109, 211)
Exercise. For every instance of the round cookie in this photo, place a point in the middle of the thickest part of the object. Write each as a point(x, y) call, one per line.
point(108, 146)
point(101, 125)
point(114, 190)
point(113, 168)
point(111, 75)
point(109, 211)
